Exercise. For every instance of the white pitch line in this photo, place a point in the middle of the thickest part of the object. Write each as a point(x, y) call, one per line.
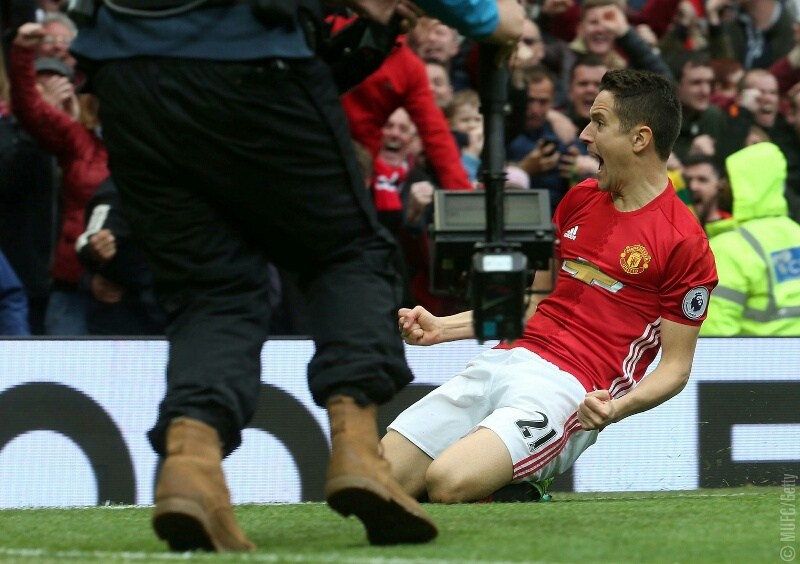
point(588, 497)
point(677, 496)
point(34, 553)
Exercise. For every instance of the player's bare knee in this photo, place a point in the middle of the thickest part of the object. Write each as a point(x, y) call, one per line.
point(445, 486)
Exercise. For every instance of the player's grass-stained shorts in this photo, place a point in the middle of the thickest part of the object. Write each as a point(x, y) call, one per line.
point(530, 403)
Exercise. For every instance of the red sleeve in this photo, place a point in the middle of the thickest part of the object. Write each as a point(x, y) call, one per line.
point(692, 277)
point(440, 145)
point(54, 130)
point(402, 81)
point(370, 104)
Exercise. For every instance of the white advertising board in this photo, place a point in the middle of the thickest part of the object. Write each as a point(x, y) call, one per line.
point(74, 416)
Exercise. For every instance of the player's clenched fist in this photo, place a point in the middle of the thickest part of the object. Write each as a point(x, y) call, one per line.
point(596, 410)
point(418, 326)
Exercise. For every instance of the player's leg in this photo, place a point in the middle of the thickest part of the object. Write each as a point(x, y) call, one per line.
point(471, 469)
point(441, 419)
point(409, 463)
point(524, 437)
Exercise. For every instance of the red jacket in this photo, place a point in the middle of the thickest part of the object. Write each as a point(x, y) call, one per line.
point(402, 81)
point(80, 153)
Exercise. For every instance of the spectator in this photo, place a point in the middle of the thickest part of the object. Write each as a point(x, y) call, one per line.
point(13, 302)
point(603, 29)
point(123, 301)
point(584, 85)
point(440, 83)
point(402, 81)
point(686, 32)
point(559, 59)
point(754, 32)
point(83, 161)
point(465, 119)
point(787, 68)
point(728, 75)
point(758, 95)
point(757, 262)
point(562, 18)
point(791, 150)
point(702, 122)
point(558, 19)
point(702, 179)
point(655, 17)
point(538, 149)
point(390, 169)
point(520, 75)
point(433, 40)
point(59, 32)
point(757, 104)
point(27, 208)
point(674, 167)
point(529, 54)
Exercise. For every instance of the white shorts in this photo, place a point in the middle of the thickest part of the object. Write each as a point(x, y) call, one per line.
point(530, 403)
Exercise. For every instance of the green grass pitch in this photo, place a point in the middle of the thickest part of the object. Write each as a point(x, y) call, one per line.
point(729, 525)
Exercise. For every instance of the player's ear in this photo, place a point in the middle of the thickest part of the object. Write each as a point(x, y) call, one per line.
point(642, 138)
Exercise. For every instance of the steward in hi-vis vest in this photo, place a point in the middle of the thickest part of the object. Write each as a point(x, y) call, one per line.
point(758, 260)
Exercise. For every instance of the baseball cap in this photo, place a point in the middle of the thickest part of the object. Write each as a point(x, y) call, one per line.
point(53, 65)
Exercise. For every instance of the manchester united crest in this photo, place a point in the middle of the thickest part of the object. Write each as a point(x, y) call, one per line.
point(634, 259)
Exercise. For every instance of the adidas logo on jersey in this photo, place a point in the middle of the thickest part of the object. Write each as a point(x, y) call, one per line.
point(571, 233)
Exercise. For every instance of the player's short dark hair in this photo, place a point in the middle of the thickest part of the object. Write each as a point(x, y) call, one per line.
point(647, 98)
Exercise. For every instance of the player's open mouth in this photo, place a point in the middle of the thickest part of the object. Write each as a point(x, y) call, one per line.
point(600, 161)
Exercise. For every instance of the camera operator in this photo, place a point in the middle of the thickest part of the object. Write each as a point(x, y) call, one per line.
point(230, 149)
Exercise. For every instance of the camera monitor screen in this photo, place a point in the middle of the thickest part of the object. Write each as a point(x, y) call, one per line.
point(525, 210)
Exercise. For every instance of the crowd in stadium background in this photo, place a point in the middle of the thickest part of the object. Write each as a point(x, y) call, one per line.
point(69, 268)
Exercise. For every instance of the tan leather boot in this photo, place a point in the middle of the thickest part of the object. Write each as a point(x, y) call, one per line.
point(359, 479)
point(193, 507)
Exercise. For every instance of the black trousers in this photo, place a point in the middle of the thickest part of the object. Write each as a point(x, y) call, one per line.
point(222, 167)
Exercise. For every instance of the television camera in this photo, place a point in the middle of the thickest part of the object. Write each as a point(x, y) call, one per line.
point(488, 243)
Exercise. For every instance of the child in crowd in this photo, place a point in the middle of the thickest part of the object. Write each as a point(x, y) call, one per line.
point(466, 121)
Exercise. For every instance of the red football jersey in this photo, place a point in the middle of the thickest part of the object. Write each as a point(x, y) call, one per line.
point(387, 180)
point(620, 274)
